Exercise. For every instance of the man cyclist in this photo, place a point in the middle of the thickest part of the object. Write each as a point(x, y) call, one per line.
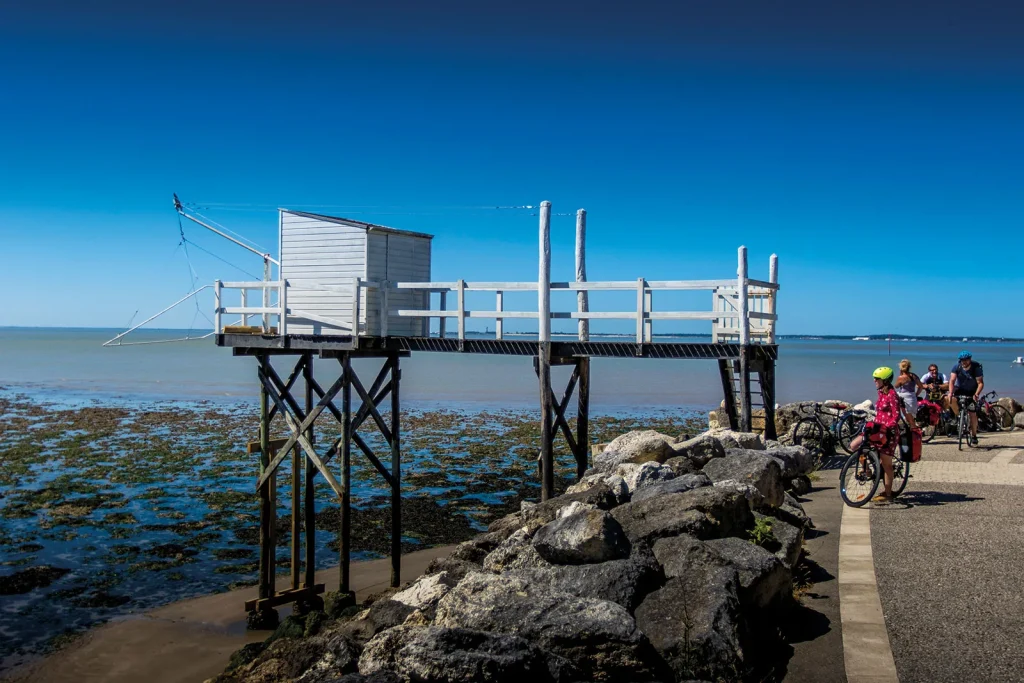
point(966, 379)
point(936, 385)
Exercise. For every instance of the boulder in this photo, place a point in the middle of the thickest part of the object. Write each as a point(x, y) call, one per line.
point(749, 467)
point(730, 439)
point(681, 465)
point(764, 581)
point(598, 637)
point(694, 623)
point(640, 476)
point(1018, 421)
point(701, 449)
point(612, 481)
point(718, 419)
point(637, 447)
point(599, 495)
point(425, 591)
point(317, 659)
point(376, 677)
point(678, 553)
point(677, 485)
point(791, 512)
point(584, 536)
point(1011, 405)
point(794, 460)
point(865, 405)
point(786, 416)
point(790, 541)
point(624, 582)
point(449, 655)
point(755, 499)
point(456, 569)
point(515, 552)
point(705, 512)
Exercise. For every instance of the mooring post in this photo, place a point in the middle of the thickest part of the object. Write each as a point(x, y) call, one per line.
point(346, 469)
point(309, 511)
point(744, 325)
point(396, 474)
point(547, 473)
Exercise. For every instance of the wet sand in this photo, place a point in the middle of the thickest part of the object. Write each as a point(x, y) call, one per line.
point(190, 640)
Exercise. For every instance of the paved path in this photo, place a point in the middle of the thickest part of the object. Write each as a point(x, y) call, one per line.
point(948, 557)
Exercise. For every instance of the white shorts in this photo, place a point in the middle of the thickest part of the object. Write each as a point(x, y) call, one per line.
point(910, 405)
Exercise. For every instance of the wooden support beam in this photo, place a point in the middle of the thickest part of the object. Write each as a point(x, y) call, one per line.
point(254, 447)
point(289, 383)
point(767, 377)
point(285, 596)
point(346, 471)
point(396, 475)
point(727, 390)
point(266, 562)
point(547, 472)
point(309, 508)
point(582, 417)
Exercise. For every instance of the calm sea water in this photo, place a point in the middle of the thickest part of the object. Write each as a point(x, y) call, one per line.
point(72, 364)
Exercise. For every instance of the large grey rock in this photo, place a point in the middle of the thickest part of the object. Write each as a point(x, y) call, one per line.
point(583, 537)
point(678, 554)
point(705, 512)
point(475, 549)
point(640, 476)
point(1010, 404)
point(789, 538)
point(1018, 421)
point(764, 581)
point(794, 460)
point(376, 677)
point(515, 552)
point(456, 655)
point(625, 582)
point(536, 516)
point(614, 482)
point(694, 622)
point(681, 465)
point(731, 439)
point(701, 449)
point(425, 591)
point(637, 447)
point(791, 512)
point(598, 637)
point(756, 468)
point(456, 569)
point(317, 659)
point(754, 497)
point(680, 484)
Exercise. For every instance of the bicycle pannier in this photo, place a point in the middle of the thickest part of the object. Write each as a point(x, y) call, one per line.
point(910, 445)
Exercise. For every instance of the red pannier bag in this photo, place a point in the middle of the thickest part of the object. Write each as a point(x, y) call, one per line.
point(910, 445)
point(929, 410)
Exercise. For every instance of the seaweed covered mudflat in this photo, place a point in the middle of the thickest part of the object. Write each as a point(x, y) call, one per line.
point(107, 509)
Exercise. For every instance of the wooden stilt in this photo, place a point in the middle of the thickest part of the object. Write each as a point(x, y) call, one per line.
point(582, 417)
point(309, 509)
point(266, 585)
point(396, 475)
point(745, 416)
point(547, 470)
point(346, 469)
point(296, 531)
point(727, 391)
point(768, 398)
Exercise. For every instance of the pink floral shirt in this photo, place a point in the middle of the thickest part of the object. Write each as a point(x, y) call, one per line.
point(887, 410)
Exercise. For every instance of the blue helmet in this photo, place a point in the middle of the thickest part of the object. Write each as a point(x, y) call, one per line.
point(964, 354)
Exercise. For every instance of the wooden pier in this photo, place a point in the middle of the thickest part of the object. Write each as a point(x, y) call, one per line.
point(322, 308)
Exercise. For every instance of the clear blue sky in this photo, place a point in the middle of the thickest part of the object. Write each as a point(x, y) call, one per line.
point(869, 146)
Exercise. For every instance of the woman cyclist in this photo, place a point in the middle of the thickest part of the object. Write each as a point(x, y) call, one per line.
point(883, 431)
point(908, 386)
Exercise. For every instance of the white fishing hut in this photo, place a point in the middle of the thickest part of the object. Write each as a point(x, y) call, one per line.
point(324, 257)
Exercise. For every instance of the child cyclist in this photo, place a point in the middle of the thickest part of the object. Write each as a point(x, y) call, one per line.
point(883, 431)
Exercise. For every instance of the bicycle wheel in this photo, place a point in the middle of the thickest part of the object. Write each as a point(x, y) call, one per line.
point(859, 478)
point(962, 429)
point(850, 425)
point(900, 476)
point(1000, 418)
point(928, 432)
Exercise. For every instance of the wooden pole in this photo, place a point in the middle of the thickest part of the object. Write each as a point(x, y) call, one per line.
point(266, 568)
point(582, 298)
point(396, 475)
point(346, 469)
point(768, 394)
point(744, 324)
point(773, 277)
point(266, 294)
point(296, 531)
point(499, 325)
point(547, 483)
point(309, 514)
point(583, 417)
point(443, 306)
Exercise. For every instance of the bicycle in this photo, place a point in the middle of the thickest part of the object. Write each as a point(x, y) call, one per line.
point(822, 437)
point(862, 471)
point(929, 419)
point(963, 423)
point(992, 417)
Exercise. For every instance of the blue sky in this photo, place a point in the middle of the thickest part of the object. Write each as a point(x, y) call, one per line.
point(878, 150)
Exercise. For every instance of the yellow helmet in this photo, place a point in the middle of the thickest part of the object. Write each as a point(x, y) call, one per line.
point(884, 374)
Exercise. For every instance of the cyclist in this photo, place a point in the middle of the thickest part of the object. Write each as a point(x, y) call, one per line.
point(883, 431)
point(966, 379)
point(935, 385)
point(908, 386)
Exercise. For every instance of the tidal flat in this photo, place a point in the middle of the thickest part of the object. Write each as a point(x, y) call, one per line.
point(109, 508)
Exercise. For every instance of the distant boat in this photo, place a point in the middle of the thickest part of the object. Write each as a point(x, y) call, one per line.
point(1019, 360)
point(964, 339)
point(861, 339)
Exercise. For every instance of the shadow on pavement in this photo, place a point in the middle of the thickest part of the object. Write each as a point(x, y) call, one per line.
point(930, 498)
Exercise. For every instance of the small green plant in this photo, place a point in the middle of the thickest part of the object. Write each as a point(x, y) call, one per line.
point(762, 533)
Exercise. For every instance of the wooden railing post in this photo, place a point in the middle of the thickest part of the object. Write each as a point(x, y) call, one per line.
point(444, 307)
point(282, 301)
point(773, 277)
point(744, 325)
point(462, 309)
point(245, 304)
point(648, 322)
point(266, 294)
point(356, 291)
point(499, 325)
point(218, 289)
point(582, 299)
point(384, 287)
point(547, 474)
point(640, 286)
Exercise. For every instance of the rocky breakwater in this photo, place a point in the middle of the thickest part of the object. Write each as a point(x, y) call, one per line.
point(669, 561)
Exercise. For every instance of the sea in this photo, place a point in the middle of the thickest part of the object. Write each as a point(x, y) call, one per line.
point(72, 365)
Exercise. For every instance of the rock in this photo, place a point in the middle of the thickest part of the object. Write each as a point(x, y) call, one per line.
point(794, 460)
point(456, 569)
point(573, 508)
point(799, 485)
point(29, 579)
point(1011, 405)
point(599, 495)
point(637, 447)
point(425, 591)
point(705, 512)
point(678, 554)
point(791, 512)
point(475, 549)
point(681, 465)
point(694, 623)
point(291, 627)
point(865, 405)
point(701, 449)
point(730, 439)
point(676, 485)
point(790, 539)
point(1018, 421)
point(516, 552)
point(718, 419)
point(624, 582)
point(598, 637)
point(786, 416)
point(755, 499)
point(764, 581)
point(613, 481)
point(772, 444)
point(749, 467)
point(376, 677)
point(245, 654)
point(443, 655)
point(317, 659)
point(640, 476)
point(584, 536)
